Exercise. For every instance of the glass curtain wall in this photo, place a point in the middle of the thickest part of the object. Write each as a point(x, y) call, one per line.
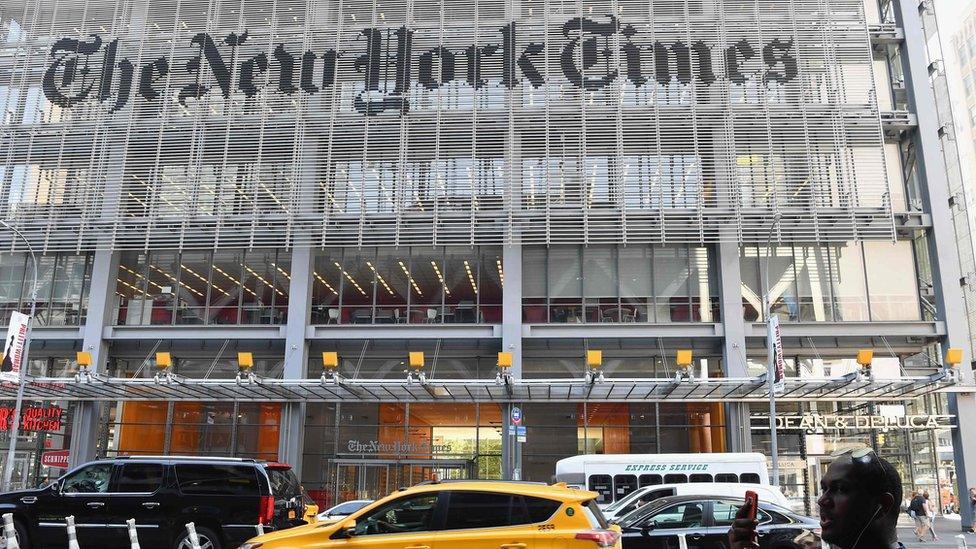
point(203, 287)
point(870, 281)
point(416, 285)
point(62, 287)
point(639, 283)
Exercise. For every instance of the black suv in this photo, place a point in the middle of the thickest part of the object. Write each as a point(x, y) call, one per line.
point(224, 497)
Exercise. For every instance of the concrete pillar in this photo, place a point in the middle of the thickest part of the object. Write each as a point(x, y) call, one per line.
point(291, 445)
point(944, 256)
point(101, 304)
point(511, 343)
point(734, 343)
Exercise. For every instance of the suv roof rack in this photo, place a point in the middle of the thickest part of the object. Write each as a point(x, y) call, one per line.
point(189, 458)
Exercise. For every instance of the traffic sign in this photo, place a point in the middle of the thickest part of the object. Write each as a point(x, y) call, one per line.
point(516, 415)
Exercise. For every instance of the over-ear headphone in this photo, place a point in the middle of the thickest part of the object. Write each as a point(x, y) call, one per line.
point(866, 526)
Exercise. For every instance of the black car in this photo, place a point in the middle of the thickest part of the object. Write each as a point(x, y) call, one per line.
point(224, 497)
point(704, 523)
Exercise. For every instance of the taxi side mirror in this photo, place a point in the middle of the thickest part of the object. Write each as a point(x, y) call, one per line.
point(348, 528)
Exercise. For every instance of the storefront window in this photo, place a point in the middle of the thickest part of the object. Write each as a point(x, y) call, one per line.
point(224, 287)
point(457, 285)
point(635, 283)
point(62, 287)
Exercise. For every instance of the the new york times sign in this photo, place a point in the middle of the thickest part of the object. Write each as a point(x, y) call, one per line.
point(593, 54)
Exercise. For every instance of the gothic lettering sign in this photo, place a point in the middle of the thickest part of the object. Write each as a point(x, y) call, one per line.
point(818, 422)
point(396, 447)
point(588, 53)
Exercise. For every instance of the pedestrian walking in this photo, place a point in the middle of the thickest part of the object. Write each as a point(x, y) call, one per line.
point(972, 505)
point(931, 512)
point(918, 510)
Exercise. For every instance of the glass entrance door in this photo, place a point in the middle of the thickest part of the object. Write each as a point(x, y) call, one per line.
point(374, 479)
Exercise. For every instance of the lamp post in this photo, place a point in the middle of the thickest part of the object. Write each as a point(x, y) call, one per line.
point(8, 465)
point(771, 358)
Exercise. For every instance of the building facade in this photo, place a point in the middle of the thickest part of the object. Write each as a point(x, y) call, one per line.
point(530, 177)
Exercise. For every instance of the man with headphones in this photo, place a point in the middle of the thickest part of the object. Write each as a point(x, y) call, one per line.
point(859, 505)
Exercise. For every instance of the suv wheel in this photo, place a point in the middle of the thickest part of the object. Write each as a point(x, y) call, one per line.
point(208, 539)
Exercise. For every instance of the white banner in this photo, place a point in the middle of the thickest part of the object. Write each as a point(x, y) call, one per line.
point(779, 364)
point(13, 346)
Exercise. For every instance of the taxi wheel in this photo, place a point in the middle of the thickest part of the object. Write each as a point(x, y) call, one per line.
point(208, 539)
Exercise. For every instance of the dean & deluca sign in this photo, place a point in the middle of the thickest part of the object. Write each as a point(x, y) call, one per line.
point(827, 422)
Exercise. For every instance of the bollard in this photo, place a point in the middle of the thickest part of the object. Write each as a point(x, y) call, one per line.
point(961, 542)
point(9, 532)
point(194, 540)
point(72, 534)
point(133, 534)
point(260, 528)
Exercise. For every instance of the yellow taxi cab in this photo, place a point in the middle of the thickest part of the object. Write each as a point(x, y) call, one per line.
point(311, 508)
point(462, 515)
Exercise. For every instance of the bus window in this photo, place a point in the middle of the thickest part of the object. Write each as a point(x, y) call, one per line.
point(650, 480)
point(623, 485)
point(749, 478)
point(603, 485)
point(701, 477)
point(726, 477)
point(675, 479)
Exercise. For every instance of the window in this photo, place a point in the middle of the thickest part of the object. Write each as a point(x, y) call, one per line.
point(93, 479)
point(409, 514)
point(723, 513)
point(540, 509)
point(701, 477)
point(283, 482)
point(686, 515)
point(603, 485)
point(348, 508)
point(140, 478)
point(749, 478)
point(726, 477)
point(675, 479)
point(230, 480)
point(650, 480)
point(623, 485)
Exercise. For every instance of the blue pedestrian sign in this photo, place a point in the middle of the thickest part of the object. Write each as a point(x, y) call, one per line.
point(516, 415)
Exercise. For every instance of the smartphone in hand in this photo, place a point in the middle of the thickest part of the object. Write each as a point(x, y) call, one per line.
point(752, 500)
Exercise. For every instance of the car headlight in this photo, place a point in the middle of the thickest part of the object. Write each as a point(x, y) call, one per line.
point(251, 545)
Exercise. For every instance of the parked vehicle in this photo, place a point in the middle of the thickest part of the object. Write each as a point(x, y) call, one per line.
point(468, 514)
point(311, 508)
point(615, 476)
point(343, 510)
point(647, 494)
point(225, 497)
point(704, 523)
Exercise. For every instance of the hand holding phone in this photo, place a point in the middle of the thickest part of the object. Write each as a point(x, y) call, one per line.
point(752, 502)
point(743, 533)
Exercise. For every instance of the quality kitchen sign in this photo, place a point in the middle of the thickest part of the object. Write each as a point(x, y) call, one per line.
point(586, 55)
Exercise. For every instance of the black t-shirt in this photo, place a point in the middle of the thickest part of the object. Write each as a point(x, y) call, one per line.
point(918, 505)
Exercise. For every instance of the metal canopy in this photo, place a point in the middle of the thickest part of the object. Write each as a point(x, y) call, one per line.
point(251, 388)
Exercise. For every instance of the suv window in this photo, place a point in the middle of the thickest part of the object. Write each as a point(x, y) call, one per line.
point(222, 480)
point(284, 483)
point(140, 477)
point(685, 515)
point(92, 479)
point(409, 514)
point(488, 510)
point(723, 513)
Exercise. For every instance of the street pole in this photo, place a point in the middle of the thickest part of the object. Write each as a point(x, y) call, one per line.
point(8, 465)
point(771, 360)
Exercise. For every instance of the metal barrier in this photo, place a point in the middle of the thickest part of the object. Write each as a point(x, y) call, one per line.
point(260, 528)
point(72, 534)
point(194, 539)
point(133, 534)
point(9, 531)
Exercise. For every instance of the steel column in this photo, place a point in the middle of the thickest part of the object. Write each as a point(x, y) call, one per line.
point(512, 343)
point(943, 252)
point(101, 301)
point(292, 436)
point(738, 431)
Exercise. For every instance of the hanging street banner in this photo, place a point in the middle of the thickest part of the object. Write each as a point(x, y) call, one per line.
point(13, 347)
point(779, 363)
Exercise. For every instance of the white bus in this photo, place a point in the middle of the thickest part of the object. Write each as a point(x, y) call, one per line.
point(614, 476)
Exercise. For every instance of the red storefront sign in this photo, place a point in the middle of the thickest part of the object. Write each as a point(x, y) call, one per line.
point(57, 459)
point(33, 419)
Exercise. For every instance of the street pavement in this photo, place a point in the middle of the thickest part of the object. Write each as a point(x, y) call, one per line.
point(946, 528)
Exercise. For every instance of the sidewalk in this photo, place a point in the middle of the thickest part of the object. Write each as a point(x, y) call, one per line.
point(946, 528)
